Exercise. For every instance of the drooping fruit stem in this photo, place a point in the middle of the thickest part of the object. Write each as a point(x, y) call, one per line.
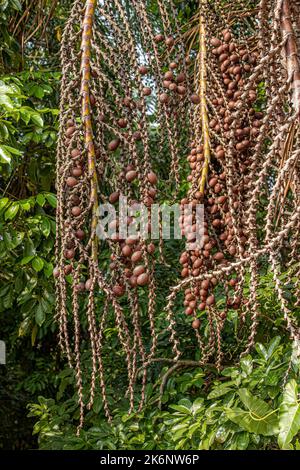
point(291, 53)
point(203, 103)
point(86, 114)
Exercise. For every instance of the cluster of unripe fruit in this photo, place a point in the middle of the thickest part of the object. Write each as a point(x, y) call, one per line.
point(220, 243)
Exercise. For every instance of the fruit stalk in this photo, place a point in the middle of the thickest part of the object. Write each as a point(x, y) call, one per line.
point(291, 53)
point(203, 103)
point(87, 115)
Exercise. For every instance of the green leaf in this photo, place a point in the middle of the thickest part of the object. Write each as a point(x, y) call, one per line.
point(6, 102)
point(37, 91)
point(3, 202)
point(261, 351)
point(5, 156)
point(40, 198)
point(11, 211)
point(181, 409)
point(12, 150)
point(274, 343)
point(37, 119)
point(51, 198)
point(34, 334)
point(45, 227)
point(16, 5)
point(247, 365)
point(220, 390)
point(289, 415)
point(25, 205)
point(40, 315)
point(26, 260)
point(259, 417)
point(37, 264)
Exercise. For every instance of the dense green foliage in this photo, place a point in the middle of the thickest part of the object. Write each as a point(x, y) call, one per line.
point(251, 405)
point(247, 407)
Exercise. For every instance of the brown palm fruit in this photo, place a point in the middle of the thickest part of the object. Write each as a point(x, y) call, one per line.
point(181, 90)
point(80, 287)
point(151, 248)
point(137, 135)
point(56, 272)
point(75, 153)
point(80, 234)
point(131, 176)
point(210, 300)
point(126, 251)
point(158, 38)
point(152, 178)
point(147, 91)
point(143, 70)
point(138, 270)
point(118, 290)
point(69, 254)
point(195, 98)
point(88, 284)
point(76, 211)
point(77, 171)
point(132, 281)
point(114, 197)
point(163, 98)
point(180, 77)
point(113, 145)
point(196, 324)
point(70, 131)
point(170, 41)
point(122, 122)
point(68, 269)
point(71, 181)
point(143, 279)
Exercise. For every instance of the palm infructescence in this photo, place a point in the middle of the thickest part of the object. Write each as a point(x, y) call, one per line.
point(225, 97)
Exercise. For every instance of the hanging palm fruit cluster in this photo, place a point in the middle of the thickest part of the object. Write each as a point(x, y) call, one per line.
point(244, 168)
point(127, 100)
point(124, 90)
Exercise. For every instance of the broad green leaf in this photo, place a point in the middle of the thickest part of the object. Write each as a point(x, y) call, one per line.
point(5, 156)
point(12, 150)
point(37, 264)
point(45, 227)
point(242, 440)
point(51, 198)
point(6, 102)
point(289, 415)
point(181, 409)
point(247, 365)
point(261, 351)
point(4, 134)
point(48, 269)
point(37, 119)
point(40, 315)
point(25, 114)
point(37, 91)
point(26, 260)
point(259, 418)
point(220, 390)
point(3, 202)
point(25, 205)
point(274, 343)
point(12, 211)
point(40, 198)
